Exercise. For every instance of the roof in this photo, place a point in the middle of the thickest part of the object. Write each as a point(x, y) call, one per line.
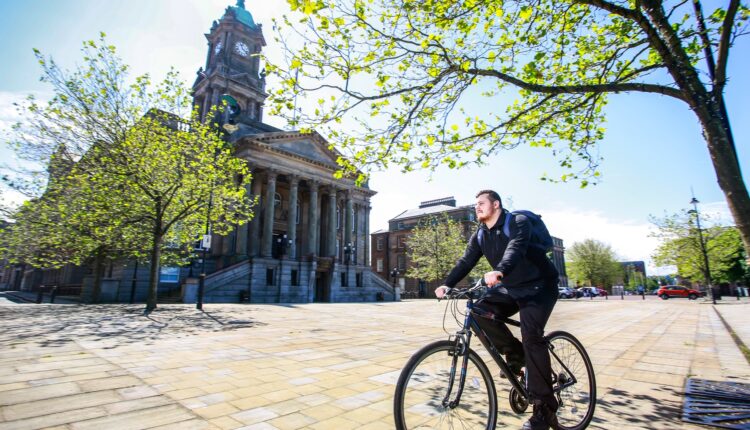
point(242, 14)
point(414, 213)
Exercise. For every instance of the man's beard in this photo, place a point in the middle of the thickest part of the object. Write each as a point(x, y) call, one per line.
point(485, 216)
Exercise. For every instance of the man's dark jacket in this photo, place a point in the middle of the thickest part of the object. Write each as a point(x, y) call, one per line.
point(522, 264)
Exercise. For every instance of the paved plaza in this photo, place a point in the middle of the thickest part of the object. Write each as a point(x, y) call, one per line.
point(324, 366)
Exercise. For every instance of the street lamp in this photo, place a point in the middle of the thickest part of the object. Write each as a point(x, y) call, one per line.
point(349, 251)
point(707, 269)
point(394, 275)
point(282, 241)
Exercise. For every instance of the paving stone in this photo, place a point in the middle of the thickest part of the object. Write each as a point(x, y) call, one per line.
point(145, 418)
point(276, 375)
point(58, 404)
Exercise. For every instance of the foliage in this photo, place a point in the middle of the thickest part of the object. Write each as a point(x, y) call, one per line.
point(681, 246)
point(593, 263)
point(438, 82)
point(434, 247)
point(126, 172)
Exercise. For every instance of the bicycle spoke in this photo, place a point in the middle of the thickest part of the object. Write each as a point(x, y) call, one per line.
point(420, 396)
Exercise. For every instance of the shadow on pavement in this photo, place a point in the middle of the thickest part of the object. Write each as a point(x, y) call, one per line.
point(113, 325)
point(640, 409)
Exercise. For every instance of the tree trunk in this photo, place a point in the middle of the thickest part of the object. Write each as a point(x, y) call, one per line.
point(98, 275)
point(153, 281)
point(728, 174)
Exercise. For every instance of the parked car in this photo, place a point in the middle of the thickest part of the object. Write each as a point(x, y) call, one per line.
point(669, 291)
point(588, 291)
point(566, 292)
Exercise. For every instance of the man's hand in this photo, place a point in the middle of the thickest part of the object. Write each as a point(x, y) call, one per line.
point(441, 291)
point(492, 278)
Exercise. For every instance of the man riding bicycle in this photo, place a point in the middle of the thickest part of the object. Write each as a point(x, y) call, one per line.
point(531, 281)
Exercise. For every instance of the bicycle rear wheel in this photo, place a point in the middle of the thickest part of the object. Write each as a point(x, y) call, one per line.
point(423, 386)
point(570, 360)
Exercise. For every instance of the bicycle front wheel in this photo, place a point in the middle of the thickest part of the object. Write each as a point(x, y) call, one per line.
point(424, 384)
point(570, 363)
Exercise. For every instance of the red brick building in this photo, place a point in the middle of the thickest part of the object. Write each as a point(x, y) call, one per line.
point(390, 257)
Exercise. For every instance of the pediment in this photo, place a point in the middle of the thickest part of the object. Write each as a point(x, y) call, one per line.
point(309, 146)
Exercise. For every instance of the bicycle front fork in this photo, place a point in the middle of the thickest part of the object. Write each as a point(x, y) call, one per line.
point(461, 349)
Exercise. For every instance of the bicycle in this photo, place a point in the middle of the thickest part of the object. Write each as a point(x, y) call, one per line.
point(435, 390)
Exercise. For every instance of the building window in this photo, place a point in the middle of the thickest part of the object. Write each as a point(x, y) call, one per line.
point(401, 261)
point(402, 242)
point(338, 217)
point(169, 275)
point(359, 280)
point(400, 225)
point(269, 277)
point(298, 216)
point(295, 277)
point(379, 265)
point(276, 200)
point(379, 244)
point(344, 280)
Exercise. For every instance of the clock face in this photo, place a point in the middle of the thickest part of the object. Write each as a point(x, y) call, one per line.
point(218, 47)
point(242, 49)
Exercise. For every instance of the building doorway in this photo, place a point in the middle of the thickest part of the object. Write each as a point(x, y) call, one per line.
point(322, 288)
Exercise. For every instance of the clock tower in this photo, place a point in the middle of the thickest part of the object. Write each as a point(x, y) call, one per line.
point(233, 65)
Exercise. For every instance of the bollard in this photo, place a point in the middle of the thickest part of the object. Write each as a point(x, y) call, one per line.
point(737, 293)
point(52, 294)
point(643, 296)
point(40, 295)
point(622, 295)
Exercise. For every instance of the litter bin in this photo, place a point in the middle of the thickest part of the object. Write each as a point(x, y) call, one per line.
point(716, 291)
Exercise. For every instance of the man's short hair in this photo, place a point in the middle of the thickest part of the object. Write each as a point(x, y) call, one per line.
point(491, 195)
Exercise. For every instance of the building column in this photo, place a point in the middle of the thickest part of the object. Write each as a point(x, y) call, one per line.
point(313, 219)
point(331, 241)
point(367, 234)
point(266, 245)
point(348, 221)
point(242, 231)
point(292, 218)
point(255, 222)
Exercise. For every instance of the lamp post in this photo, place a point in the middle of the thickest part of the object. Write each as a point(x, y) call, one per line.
point(706, 267)
point(282, 241)
point(349, 251)
point(394, 275)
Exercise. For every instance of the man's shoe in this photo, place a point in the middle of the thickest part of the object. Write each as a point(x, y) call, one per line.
point(544, 417)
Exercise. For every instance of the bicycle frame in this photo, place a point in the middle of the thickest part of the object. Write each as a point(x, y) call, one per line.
point(463, 341)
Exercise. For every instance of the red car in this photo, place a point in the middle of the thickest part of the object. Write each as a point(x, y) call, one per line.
point(667, 291)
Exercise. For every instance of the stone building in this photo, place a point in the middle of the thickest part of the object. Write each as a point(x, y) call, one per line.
point(308, 240)
point(390, 254)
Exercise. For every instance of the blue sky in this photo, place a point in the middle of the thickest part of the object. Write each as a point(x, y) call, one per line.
point(653, 150)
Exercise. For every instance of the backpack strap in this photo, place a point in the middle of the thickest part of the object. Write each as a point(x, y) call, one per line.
point(480, 237)
point(506, 224)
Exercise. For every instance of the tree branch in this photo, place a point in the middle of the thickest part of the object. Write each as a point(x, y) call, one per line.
point(612, 87)
point(720, 78)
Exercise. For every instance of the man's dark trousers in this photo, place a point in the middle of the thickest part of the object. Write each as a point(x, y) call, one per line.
point(534, 313)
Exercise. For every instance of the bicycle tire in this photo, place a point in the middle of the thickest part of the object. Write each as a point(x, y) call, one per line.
point(422, 385)
point(577, 402)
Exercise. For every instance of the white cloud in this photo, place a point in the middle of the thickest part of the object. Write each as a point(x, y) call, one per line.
point(629, 239)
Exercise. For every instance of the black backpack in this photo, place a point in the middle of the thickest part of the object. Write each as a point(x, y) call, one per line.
point(540, 237)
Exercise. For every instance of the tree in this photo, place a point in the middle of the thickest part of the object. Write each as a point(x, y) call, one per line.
point(680, 246)
point(434, 247)
point(128, 163)
point(546, 68)
point(592, 262)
